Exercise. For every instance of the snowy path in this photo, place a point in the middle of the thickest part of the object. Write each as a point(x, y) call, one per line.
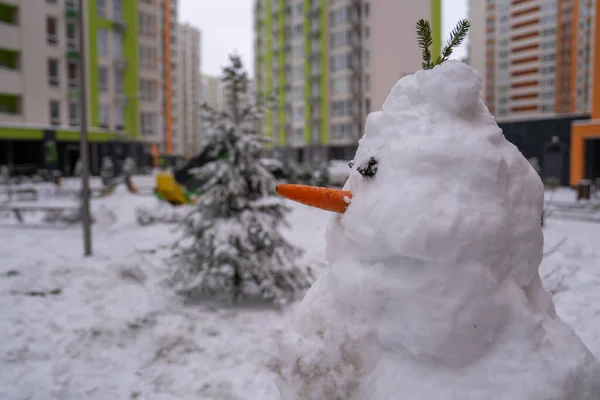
point(72, 328)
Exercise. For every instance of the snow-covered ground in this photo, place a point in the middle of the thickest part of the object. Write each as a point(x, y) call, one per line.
point(107, 328)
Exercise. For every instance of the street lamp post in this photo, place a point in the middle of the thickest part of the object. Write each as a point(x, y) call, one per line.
point(85, 184)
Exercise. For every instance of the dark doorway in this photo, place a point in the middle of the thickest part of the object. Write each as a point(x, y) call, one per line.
point(554, 155)
point(592, 158)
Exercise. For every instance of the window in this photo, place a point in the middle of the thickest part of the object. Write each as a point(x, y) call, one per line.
point(53, 72)
point(103, 79)
point(340, 85)
point(72, 36)
point(340, 62)
point(340, 108)
point(73, 71)
point(119, 84)
point(54, 112)
point(101, 8)
point(148, 123)
point(51, 34)
point(117, 46)
point(104, 115)
point(117, 10)
point(102, 42)
point(73, 114)
point(119, 118)
point(147, 89)
point(299, 114)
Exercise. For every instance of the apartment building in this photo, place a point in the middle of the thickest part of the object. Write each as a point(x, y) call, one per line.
point(170, 145)
point(190, 90)
point(330, 62)
point(541, 63)
point(40, 79)
point(538, 55)
point(212, 91)
point(150, 95)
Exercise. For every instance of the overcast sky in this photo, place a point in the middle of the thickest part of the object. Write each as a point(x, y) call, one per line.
point(226, 26)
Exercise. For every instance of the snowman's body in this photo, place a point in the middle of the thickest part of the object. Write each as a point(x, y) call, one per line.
point(433, 290)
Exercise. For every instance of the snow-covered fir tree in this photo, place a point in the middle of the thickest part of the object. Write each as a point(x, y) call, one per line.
point(107, 171)
point(231, 243)
point(128, 166)
point(78, 167)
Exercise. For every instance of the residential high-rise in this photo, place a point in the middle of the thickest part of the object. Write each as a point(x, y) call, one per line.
point(331, 62)
point(150, 77)
point(39, 80)
point(538, 55)
point(189, 90)
point(170, 79)
point(212, 91)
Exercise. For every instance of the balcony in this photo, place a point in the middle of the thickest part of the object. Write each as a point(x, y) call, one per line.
point(10, 108)
point(11, 36)
point(71, 10)
point(118, 23)
point(73, 93)
point(120, 64)
point(73, 54)
point(10, 80)
point(120, 99)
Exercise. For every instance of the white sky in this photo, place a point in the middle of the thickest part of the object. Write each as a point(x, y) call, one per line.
point(226, 27)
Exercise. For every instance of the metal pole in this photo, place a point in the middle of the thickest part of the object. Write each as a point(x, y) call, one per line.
point(85, 165)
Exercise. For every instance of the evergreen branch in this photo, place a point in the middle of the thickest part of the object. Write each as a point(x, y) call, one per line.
point(457, 36)
point(425, 40)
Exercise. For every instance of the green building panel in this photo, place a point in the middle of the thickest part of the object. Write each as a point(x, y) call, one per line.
point(128, 28)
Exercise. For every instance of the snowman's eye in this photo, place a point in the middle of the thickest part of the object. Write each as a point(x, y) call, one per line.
point(368, 169)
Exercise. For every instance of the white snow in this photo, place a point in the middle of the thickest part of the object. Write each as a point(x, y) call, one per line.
point(433, 289)
point(115, 331)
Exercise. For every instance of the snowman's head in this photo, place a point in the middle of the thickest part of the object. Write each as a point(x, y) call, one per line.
point(434, 178)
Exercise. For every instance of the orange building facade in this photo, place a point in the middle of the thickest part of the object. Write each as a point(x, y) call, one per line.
point(585, 79)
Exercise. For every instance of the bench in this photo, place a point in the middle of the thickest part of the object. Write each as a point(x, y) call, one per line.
point(18, 208)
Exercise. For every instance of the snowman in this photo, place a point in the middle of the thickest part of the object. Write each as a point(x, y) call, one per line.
point(432, 289)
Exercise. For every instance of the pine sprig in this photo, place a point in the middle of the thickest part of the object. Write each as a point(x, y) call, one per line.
point(425, 42)
point(425, 39)
point(458, 34)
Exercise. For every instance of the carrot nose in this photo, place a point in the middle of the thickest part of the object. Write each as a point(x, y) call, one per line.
point(324, 198)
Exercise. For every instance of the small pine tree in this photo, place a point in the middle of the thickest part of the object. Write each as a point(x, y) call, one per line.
point(107, 172)
point(231, 243)
point(425, 39)
point(77, 168)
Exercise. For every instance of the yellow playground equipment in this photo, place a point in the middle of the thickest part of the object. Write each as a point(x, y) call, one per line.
point(169, 190)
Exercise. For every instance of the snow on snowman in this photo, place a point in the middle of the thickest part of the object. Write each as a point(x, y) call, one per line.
point(433, 290)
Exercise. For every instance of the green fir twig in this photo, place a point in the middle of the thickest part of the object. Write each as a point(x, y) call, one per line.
point(425, 42)
point(425, 39)
point(458, 34)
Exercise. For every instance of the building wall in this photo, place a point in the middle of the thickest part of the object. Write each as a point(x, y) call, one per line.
point(189, 104)
point(30, 37)
point(212, 91)
point(329, 63)
point(477, 39)
point(112, 47)
point(27, 42)
point(149, 55)
point(539, 57)
point(386, 66)
point(168, 68)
